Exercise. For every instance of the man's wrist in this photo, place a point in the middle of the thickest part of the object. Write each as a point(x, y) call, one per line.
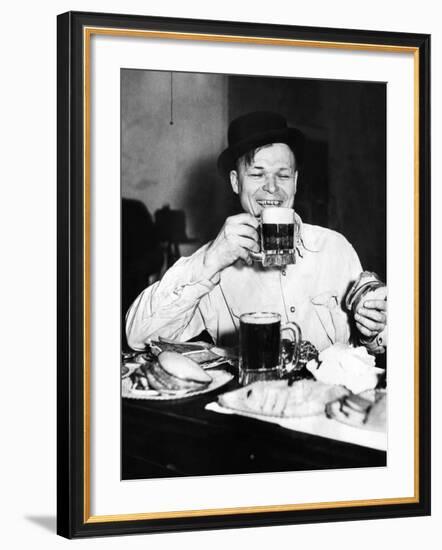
point(374, 344)
point(211, 268)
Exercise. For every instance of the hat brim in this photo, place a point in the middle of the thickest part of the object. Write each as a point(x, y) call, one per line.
point(290, 136)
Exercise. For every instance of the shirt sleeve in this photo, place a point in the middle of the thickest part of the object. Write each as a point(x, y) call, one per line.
point(170, 307)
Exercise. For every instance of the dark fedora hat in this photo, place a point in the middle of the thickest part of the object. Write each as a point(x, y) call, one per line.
point(256, 129)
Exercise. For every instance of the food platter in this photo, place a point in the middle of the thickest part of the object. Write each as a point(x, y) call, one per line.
point(219, 379)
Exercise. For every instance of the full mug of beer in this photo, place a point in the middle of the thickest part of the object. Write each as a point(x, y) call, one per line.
point(279, 232)
point(260, 346)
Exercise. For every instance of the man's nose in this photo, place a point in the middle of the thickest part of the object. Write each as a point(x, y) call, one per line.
point(270, 185)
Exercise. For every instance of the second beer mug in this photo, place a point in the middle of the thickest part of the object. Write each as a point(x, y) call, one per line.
point(279, 231)
point(260, 346)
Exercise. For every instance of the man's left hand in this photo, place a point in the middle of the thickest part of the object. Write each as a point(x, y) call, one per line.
point(371, 317)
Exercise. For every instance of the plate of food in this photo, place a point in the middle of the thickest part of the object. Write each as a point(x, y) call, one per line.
point(169, 376)
point(278, 398)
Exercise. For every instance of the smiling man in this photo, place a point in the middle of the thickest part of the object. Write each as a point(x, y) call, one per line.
point(212, 288)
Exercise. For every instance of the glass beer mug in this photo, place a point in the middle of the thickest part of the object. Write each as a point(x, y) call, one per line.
point(279, 229)
point(260, 355)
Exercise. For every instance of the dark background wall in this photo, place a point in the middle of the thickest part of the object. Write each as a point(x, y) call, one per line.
point(342, 184)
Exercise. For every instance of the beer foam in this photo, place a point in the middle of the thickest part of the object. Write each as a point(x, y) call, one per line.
point(276, 214)
point(260, 318)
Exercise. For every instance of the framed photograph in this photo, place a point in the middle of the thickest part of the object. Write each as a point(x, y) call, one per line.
point(237, 205)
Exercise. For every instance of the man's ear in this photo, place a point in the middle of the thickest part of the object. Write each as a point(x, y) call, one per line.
point(296, 180)
point(234, 181)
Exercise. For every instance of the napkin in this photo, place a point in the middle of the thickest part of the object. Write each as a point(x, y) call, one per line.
point(347, 366)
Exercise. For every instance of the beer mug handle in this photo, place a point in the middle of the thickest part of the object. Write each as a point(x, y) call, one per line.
point(297, 337)
point(258, 256)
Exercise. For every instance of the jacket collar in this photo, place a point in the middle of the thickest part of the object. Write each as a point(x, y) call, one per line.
point(307, 237)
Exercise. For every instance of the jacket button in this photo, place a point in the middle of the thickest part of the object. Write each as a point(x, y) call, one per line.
point(293, 309)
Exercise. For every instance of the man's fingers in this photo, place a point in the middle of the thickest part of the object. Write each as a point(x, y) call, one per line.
point(246, 231)
point(244, 218)
point(371, 319)
point(369, 324)
point(244, 255)
point(248, 244)
point(380, 305)
point(373, 314)
point(364, 331)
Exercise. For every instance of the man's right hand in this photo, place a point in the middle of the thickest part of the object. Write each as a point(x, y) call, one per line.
point(237, 238)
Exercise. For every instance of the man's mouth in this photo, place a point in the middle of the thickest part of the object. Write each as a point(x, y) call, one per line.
point(264, 203)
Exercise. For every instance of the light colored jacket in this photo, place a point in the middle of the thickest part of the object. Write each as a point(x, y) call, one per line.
point(310, 292)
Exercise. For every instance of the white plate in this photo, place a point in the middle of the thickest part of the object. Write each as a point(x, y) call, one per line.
point(219, 379)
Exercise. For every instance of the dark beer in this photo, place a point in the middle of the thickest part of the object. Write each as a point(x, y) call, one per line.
point(277, 230)
point(277, 237)
point(260, 337)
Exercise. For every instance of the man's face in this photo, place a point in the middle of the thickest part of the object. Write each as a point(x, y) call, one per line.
point(269, 180)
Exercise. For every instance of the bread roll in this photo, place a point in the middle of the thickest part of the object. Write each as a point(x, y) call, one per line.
point(183, 368)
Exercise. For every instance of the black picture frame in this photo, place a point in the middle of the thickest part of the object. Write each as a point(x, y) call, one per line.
point(74, 518)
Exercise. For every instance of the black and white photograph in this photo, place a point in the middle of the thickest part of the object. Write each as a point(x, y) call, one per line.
point(221, 266)
point(253, 274)
point(243, 269)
